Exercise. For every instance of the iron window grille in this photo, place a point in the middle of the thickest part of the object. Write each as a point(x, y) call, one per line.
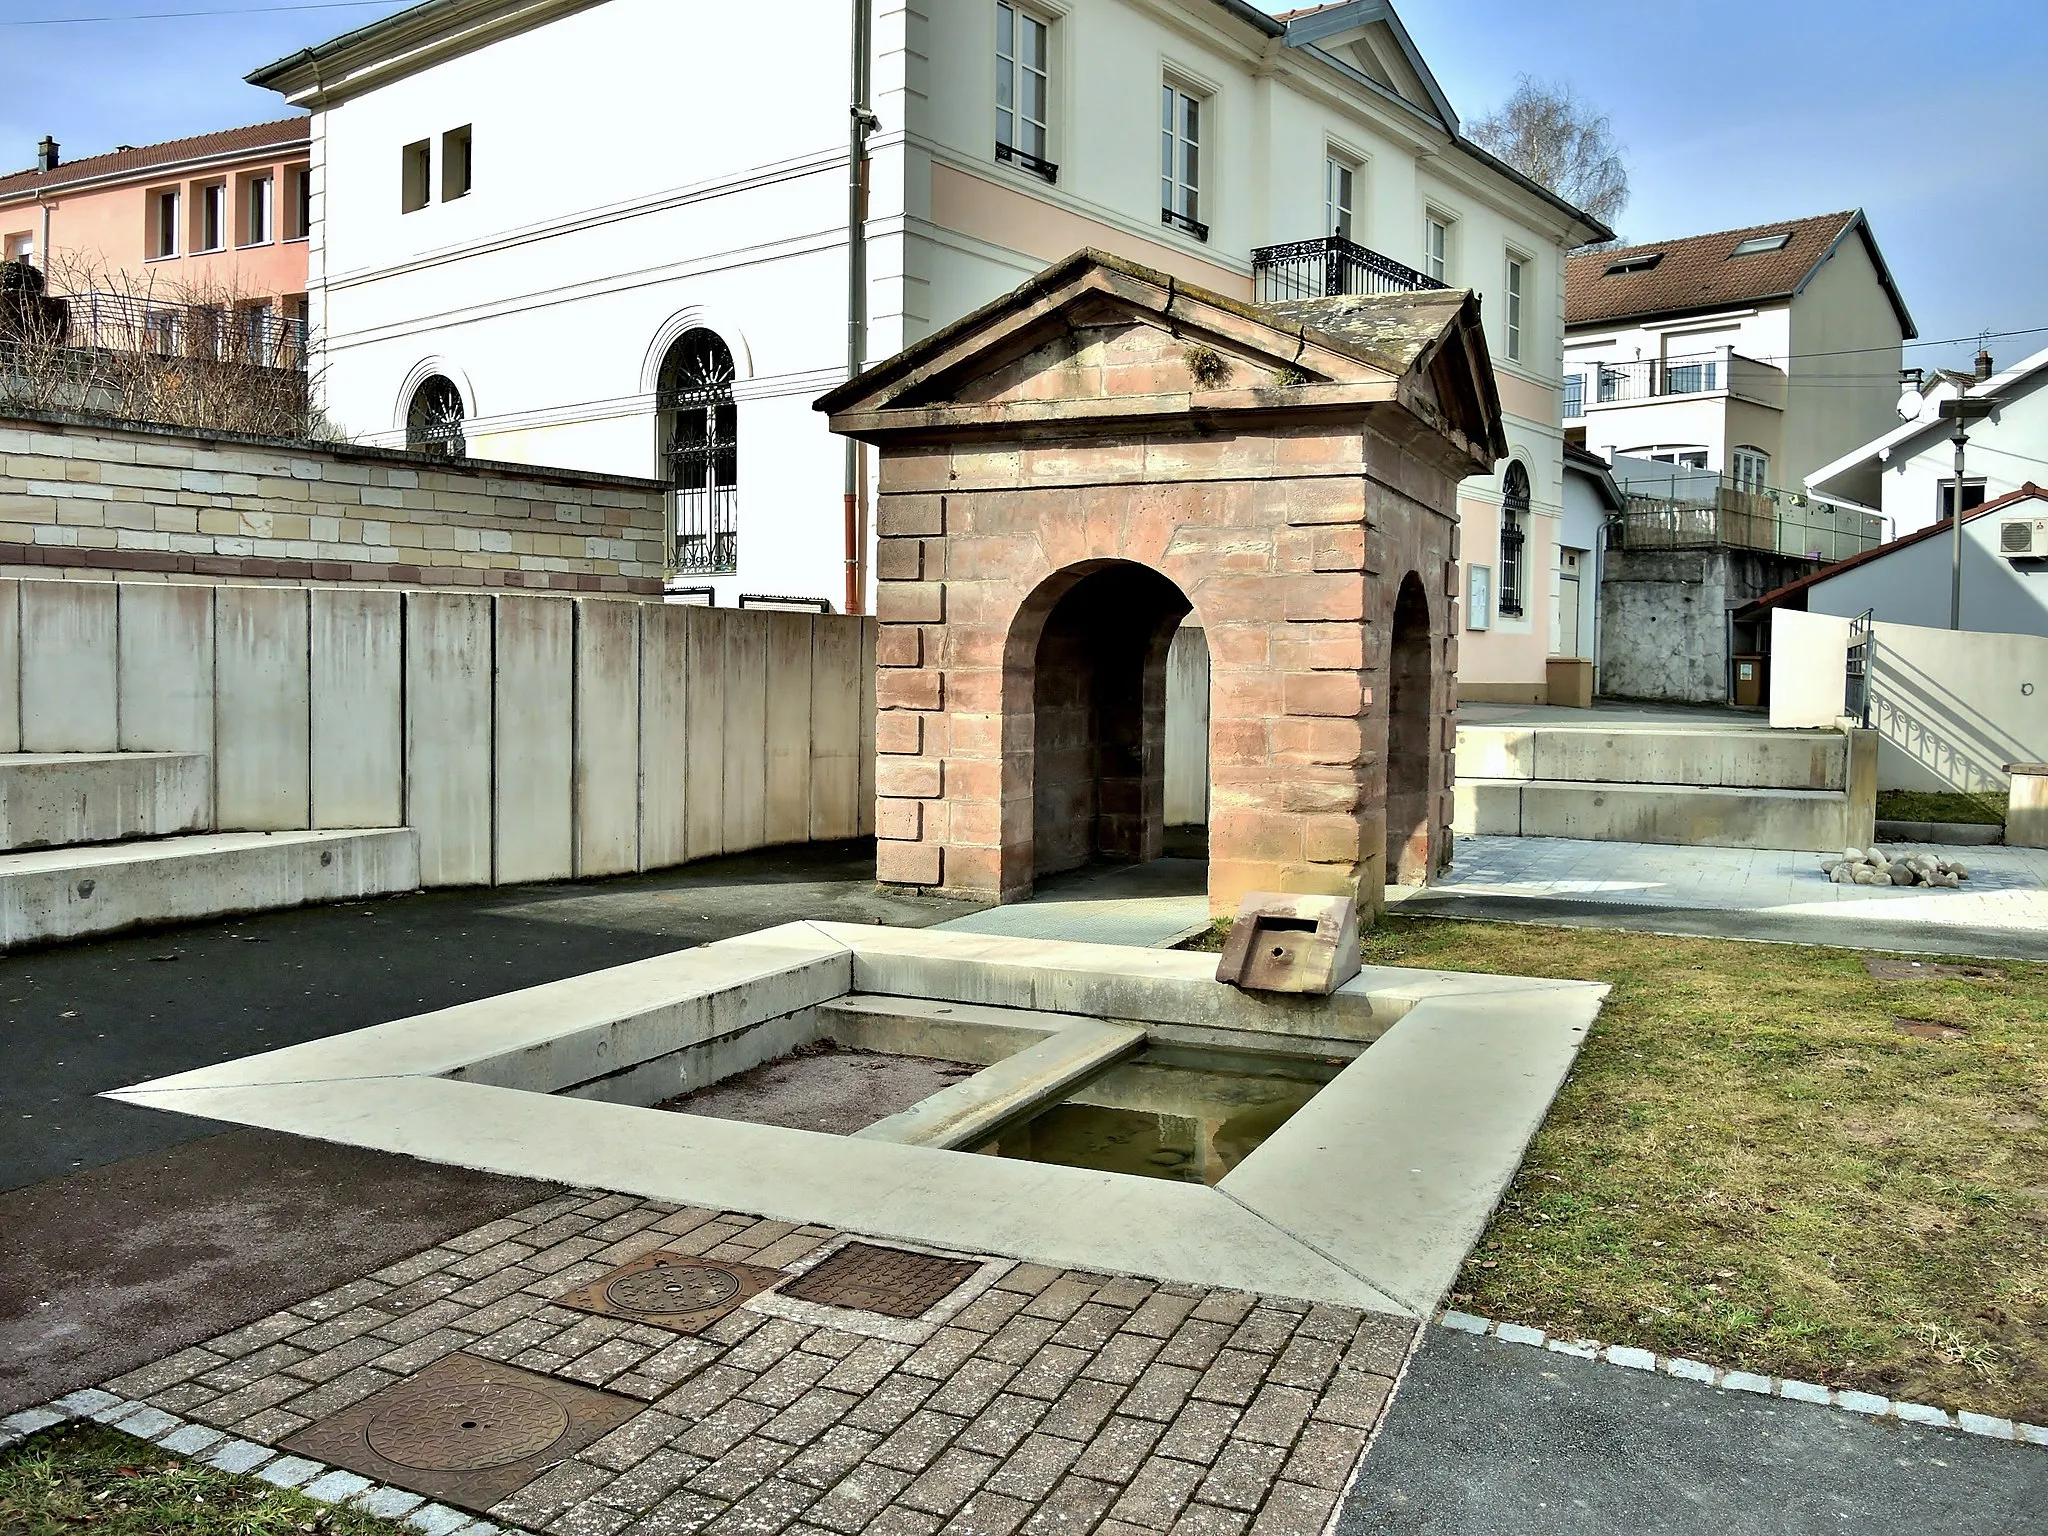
point(700, 449)
point(1011, 155)
point(1514, 507)
point(433, 422)
point(1195, 227)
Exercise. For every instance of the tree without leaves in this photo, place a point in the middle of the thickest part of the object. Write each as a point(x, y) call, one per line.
point(1559, 141)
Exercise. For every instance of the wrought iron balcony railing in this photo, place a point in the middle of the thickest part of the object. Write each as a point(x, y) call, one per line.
point(1327, 267)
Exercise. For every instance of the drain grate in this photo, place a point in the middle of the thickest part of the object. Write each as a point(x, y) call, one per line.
point(465, 1430)
point(672, 1290)
point(892, 1281)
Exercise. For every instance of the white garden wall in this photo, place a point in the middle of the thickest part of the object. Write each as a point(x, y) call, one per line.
point(522, 737)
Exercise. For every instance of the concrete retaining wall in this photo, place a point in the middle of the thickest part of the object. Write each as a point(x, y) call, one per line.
point(1951, 708)
point(89, 496)
point(522, 737)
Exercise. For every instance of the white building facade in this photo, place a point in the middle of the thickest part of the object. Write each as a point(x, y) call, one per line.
point(1912, 466)
point(614, 235)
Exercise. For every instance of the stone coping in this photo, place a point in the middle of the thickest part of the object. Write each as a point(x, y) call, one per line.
point(61, 421)
point(1369, 1198)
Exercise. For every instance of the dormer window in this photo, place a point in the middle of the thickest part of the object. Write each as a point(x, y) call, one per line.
point(1644, 261)
point(1757, 245)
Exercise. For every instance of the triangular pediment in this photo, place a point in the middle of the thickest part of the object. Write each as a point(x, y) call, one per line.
point(1369, 37)
point(1096, 342)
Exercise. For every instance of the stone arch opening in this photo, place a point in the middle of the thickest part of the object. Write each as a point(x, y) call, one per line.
point(1097, 705)
point(1409, 729)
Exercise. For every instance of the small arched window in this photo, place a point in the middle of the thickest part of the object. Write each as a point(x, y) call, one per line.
point(697, 424)
point(433, 422)
point(1514, 526)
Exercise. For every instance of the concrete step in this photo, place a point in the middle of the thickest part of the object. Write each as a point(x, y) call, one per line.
point(68, 893)
point(976, 1111)
point(1757, 758)
point(61, 799)
point(1685, 814)
point(926, 1026)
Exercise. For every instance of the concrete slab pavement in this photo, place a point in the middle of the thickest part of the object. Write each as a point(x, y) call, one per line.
point(1487, 1438)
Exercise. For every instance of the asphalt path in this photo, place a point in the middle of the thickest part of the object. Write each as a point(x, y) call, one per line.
point(127, 1233)
point(1486, 1438)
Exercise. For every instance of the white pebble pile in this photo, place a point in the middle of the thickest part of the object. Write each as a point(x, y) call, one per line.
point(1871, 866)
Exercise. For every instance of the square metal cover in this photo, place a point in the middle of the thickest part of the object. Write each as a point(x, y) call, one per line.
point(467, 1431)
point(895, 1282)
point(672, 1290)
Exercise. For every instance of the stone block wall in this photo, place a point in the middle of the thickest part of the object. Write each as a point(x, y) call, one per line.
point(89, 496)
point(1290, 542)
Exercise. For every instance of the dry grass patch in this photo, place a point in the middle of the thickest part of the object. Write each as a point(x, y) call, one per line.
point(1754, 1164)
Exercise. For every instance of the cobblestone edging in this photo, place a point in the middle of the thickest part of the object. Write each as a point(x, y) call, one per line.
point(232, 1454)
point(1868, 1404)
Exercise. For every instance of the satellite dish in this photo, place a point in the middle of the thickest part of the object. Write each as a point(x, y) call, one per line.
point(1910, 403)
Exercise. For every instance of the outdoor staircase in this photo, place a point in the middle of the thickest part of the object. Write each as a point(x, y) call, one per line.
point(94, 842)
point(1733, 787)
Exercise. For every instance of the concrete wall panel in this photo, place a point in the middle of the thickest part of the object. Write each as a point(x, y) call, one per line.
point(787, 815)
point(665, 786)
point(705, 757)
point(166, 668)
point(836, 676)
point(69, 648)
point(534, 691)
point(448, 734)
point(10, 665)
point(607, 766)
point(357, 655)
point(262, 748)
point(746, 730)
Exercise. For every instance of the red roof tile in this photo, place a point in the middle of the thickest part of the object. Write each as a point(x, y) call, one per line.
point(285, 133)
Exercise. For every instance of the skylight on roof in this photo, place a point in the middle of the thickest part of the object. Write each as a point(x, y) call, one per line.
point(1641, 261)
point(1756, 245)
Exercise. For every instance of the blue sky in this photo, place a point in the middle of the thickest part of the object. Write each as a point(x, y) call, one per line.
point(1734, 112)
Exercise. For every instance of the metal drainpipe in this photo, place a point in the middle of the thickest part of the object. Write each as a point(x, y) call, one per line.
point(861, 122)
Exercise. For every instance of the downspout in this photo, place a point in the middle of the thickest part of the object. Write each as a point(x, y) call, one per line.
point(861, 122)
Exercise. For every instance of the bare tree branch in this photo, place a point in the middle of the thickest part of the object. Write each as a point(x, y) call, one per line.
point(1554, 138)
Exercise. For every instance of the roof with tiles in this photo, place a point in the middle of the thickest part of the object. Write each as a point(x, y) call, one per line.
point(1703, 272)
point(285, 133)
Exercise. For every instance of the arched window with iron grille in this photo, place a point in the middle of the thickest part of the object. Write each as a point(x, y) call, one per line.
point(1514, 519)
point(698, 427)
point(433, 421)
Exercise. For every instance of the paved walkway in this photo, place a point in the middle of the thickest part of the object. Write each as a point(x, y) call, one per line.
point(1148, 905)
point(2002, 911)
point(1494, 1439)
point(1035, 1400)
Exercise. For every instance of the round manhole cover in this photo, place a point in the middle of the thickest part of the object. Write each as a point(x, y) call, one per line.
point(467, 1426)
point(669, 1288)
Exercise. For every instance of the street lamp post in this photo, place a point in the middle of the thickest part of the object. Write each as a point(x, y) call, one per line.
point(1962, 411)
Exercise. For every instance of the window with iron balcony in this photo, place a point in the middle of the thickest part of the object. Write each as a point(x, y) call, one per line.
point(1024, 90)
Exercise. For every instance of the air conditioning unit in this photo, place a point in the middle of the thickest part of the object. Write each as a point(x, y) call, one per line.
point(2024, 538)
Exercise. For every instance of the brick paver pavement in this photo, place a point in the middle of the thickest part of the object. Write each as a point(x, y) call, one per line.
point(1052, 1402)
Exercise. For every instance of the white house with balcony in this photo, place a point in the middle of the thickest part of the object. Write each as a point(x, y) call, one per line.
point(615, 234)
point(1756, 354)
point(1912, 463)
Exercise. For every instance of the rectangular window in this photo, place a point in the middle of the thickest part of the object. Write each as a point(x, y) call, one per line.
point(163, 235)
point(1023, 89)
point(456, 166)
point(1751, 468)
point(21, 247)
point(213, 217)
point(1436, 247)
point(1337, 184)
point(260, 212)
point(416, 164)
point(1518, 268)
point(1973, 498)
point(1180, 161)
point(300, 214)
point(254, 326)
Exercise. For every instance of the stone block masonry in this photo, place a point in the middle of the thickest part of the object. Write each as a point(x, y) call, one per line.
point(89, 496)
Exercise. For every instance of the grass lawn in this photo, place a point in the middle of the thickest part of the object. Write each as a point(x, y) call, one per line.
point(1986, 809)
point(82, 1477)
point(1753, 1165)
